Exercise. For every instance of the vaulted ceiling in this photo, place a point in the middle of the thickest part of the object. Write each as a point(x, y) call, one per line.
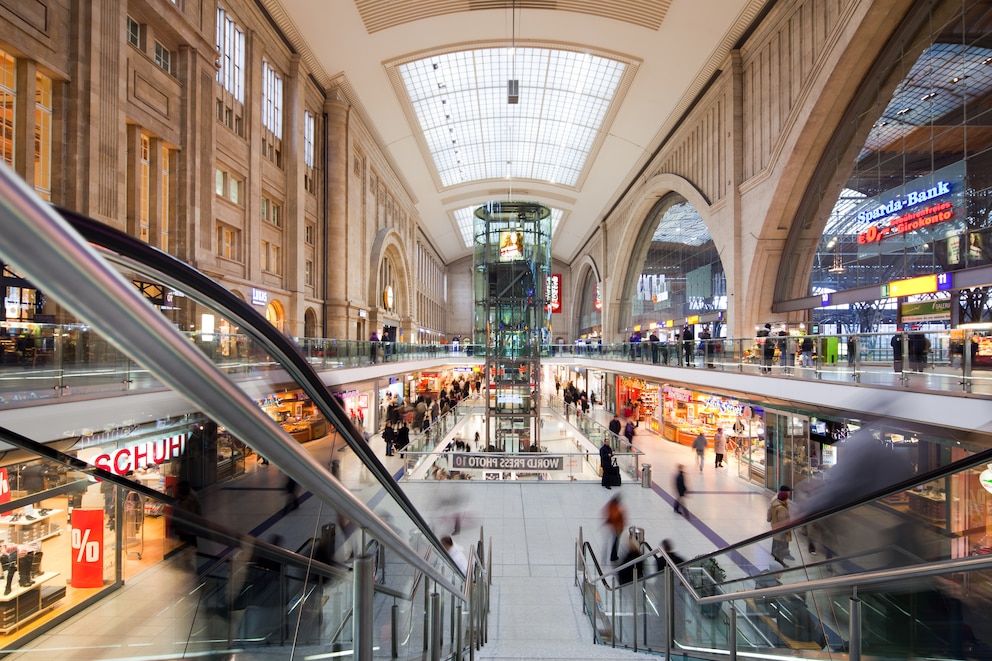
point(601, 83)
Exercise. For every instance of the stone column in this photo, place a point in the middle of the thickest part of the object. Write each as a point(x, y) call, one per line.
point(335, 244)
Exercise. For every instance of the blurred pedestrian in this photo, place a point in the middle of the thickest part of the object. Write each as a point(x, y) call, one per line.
point(666, 545)
point(699, 445)
point(616, 519)
point(778, 516)
point(291, 502)
point(456, 552)
point(626, 574)
point(680, 492)
point(186, 501)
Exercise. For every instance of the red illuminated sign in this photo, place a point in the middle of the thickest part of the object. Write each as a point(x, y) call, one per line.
point(86, 544)
point(4, 486)
point(553, 296)
point(932, 215)
point(149, 453)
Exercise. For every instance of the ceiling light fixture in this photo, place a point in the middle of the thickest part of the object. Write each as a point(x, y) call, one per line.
point(513, 85)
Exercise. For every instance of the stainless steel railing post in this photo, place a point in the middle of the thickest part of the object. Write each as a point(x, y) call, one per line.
point(363, 616)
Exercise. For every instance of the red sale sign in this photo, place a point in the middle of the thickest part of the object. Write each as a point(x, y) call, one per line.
point(4, 486)
point(86, 548)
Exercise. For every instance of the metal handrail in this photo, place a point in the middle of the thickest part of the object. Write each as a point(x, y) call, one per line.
point(979, 458)
point(43, 247)
point(132, 253)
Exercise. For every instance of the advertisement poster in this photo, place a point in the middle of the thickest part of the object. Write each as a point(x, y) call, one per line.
point(511, 245)
point(86, 548)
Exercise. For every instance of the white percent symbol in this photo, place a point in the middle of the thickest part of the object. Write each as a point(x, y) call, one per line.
point(85, 549)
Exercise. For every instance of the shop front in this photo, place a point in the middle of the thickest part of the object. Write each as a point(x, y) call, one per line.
point(357, 405)
point(297, 415)
point(687, 413)
point(67, 537)
point(639, 398)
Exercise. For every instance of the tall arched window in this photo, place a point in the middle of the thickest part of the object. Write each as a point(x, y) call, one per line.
point(590, 307)
point(675, 271)
point(917, 198)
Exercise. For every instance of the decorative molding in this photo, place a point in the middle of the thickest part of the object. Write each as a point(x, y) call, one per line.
point(378, 15)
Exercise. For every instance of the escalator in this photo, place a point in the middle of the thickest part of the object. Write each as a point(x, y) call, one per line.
point(867, 577)
point(225, 580)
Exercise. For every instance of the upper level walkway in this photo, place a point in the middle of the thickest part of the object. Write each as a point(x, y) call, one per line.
point(934, 392)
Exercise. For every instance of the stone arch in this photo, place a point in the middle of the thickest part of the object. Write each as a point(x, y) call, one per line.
point(636, 230)
point(388, 244)
point(310, 323)
point(585, 267)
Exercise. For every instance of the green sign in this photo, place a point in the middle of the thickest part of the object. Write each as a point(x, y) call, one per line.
point(927, 311)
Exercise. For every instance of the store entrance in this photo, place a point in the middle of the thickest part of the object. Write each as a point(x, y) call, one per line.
point(787, 448)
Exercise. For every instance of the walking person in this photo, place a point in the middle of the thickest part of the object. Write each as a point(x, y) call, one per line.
point(778, 516)
point(680, 492)
point(616, 519)
point(615, 425)
point(628, 432)
point(699, 445)
point(719, 447)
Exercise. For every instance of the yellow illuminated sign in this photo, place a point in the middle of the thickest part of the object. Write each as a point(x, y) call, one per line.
point(670, 323)
point(925, 284)
point(694, 319)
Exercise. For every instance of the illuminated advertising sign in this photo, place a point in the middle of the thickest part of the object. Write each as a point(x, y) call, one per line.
point(148, 453)
point(917, 205)
point(259, 297)
point(4, 486)
point(597, 303)
point(86, 544)
point(552, 293)
point(925, 284)
point(511, 245)
point(930, 215)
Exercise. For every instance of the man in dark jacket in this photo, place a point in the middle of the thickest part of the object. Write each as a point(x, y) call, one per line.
point(615, 425)
point(605, 462)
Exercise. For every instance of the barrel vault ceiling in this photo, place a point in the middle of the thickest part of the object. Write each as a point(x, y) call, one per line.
point(601, 83)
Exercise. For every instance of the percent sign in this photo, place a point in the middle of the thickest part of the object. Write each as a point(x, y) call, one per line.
point(85, 549)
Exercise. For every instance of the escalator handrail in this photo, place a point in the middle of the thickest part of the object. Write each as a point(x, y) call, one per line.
point(44, 248)
point(181, 275)
point(198, 525)
point(983, 457)
point(876, 577)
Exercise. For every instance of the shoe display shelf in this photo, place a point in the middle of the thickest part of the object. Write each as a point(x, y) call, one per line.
point(23, 528)
point(25, 603)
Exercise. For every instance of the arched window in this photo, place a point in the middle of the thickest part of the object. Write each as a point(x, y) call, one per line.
point(675, 271)
point(917, 198)
point(310, 323)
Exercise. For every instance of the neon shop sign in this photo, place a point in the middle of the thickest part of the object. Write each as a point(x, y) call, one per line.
point(932, 214)
point(142, 455)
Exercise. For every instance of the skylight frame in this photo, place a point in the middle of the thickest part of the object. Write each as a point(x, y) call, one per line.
point(473, 134)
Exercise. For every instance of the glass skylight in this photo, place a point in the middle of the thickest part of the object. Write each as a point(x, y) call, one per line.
point(473, 133)
point(681, 223)
point(945, 78)
point(465, 217)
